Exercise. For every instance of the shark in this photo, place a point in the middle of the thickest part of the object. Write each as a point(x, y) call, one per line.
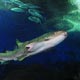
point(34, 46)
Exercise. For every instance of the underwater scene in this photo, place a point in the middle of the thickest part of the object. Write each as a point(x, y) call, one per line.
point(39, 39)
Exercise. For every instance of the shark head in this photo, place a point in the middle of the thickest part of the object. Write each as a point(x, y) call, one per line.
point(48, 41)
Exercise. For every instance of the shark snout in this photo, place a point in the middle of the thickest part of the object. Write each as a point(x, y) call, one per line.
point(65, 34)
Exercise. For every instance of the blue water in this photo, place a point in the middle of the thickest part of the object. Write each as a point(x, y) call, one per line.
point(16, 26)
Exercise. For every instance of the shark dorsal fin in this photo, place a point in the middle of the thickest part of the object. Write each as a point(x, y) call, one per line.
point(19, 43)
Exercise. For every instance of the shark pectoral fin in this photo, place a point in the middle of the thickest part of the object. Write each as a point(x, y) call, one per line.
point(21, 58)
point(19, 43)
point(3, 62)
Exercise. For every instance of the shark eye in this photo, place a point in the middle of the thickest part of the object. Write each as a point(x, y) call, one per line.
point(27, 47)
point(47, 39)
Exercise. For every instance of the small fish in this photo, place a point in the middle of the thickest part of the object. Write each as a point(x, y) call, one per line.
point(35, 12)
point(16, 9)
point(34, 46)
point(34, 19)
point(17, 2)
point(6, 2)
point(28, 6)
